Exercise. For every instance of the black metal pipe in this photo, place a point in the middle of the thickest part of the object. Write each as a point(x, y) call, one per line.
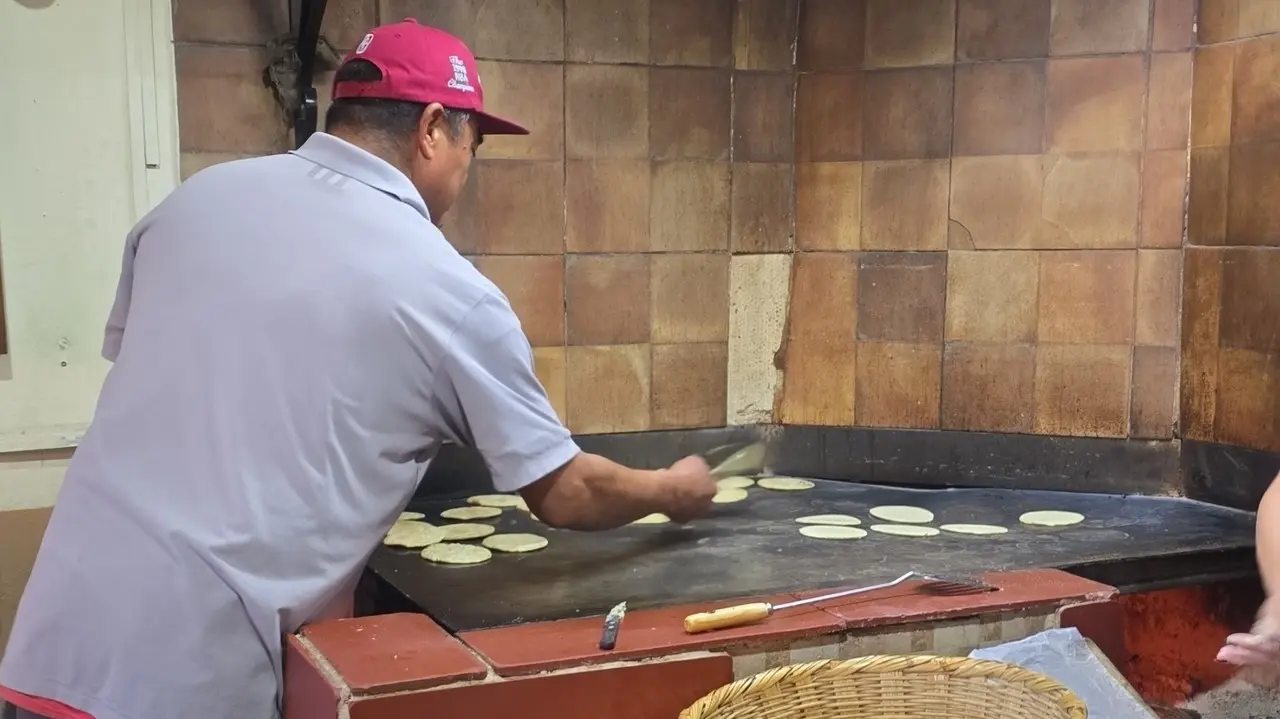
point(305, 18)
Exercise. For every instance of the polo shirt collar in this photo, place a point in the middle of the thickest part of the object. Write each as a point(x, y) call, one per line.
point(345, 158)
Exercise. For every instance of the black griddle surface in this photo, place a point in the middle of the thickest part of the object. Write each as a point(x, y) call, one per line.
point(754, 548)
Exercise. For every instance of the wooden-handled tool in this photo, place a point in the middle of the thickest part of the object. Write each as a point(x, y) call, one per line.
point(744, 614)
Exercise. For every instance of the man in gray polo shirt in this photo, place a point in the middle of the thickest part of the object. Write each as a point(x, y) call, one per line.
point(292, 337)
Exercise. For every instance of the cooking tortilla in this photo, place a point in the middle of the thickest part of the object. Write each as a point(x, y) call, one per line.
point(827, 531)
point(497, 500)
point(735, 482)
point(727, 496)
point(411, 516)
point(899, 514)
point(980, 529)
point(653, 519)
point(466, 514)
point(904, 530)
point(448, 553)
point(1051, 518)
point(785, 484)
point(830, 520)
point(413, 535)
point(462, 532)
point(515, 543)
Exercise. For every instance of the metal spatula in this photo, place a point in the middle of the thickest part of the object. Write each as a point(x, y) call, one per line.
point(743, 614)
point(746, 461)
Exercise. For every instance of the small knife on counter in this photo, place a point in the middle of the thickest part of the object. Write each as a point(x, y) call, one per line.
point(612, 623)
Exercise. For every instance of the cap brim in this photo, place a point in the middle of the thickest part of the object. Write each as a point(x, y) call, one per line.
point(490, 125)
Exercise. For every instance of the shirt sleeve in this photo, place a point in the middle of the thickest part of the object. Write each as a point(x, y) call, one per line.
point(120, 308)
point(490, 398)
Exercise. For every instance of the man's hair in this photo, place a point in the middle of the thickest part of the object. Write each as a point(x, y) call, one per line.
point(393, 119)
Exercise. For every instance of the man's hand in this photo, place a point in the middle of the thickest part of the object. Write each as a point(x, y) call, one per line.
point(689, 489)
point(1261, 646)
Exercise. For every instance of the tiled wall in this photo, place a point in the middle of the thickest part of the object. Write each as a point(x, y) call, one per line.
point(1231, 318)
point(963, 214)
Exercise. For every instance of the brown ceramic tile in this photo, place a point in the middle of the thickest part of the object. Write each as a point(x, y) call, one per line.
point(685, 33)
point(549, 365)
point(828, 206)
point(464, 225)
point(1201, 321)
point(763, 109)
point(764, 34)
point(832, 35)
point(1207, 196)
point(902, 296)
point(829, 117)
point(1173, 25)
point(189, 163)
point(1154, 406)
point(606, 111)
point(1253, 215)
point(347, 21)
point(1248, 401)
point(1250, 299)
point(907, 113)
point(1086, 297)
point(1164, 188)
point(307, 689)
point(393, 652)
point(608, 388)
point(535, 287)
point(544, 646)
point(901, 34)
point(1218, 20)
point(689, 207)
point(626, 691)
point(904, 205)
point(241, 22)
point(899, 385)
point(1169, 101)
point(762, 218)
point(1091, 201)
point(689, 383)
point(1016, 590)
point(1095, 104)
point(519, 30)
point(606, 32)
point(1002, 29)
point(1257, 17)
point(607, 206)
point(819, 349)
point(1082, 390)
point(690, 298)
point(208, 77)
point(988, 388)
point(1093, 27)
point(1000, 108)
point(992, 296)
point(456, 18)
point(533, 95)
point(607, 299)
point(1159, 297)
point(996, 202)
point(689, 114)
point(1257, 94)
point(1213, 72)
point(520, 207)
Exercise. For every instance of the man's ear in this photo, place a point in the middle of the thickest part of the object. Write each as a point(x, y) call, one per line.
point(431, 130)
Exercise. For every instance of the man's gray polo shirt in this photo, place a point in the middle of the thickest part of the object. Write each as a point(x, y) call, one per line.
point(292, 339)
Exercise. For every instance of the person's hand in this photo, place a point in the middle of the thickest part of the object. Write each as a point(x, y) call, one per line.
point(1261, 646)
point(689, 489)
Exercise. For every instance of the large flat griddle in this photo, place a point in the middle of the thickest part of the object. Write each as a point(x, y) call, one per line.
point(754, 548)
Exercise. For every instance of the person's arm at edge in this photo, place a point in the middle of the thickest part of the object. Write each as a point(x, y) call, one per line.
point(592, 493)
point(1268, 538)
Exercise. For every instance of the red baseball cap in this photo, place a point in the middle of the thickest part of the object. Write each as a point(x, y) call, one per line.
point(423, 64)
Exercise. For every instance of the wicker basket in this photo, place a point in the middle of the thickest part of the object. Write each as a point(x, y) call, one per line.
point(901, 687)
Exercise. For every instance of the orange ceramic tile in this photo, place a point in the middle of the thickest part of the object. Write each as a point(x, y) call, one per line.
point(904, 205)
point(1218, 20)
point(1253, 215)
point(997, 202)
point(1091, 27)
point(1213, 69)
point(901, 296)
point(307, 691)
point(607, 299)
point(606, 206)
point(207, 76)
point(689, 111)
point(1164, 191)
point(1095, 104)
point(981, 310)
point(1169, 101)
point(907, 113)
point(832, 35)
point(1082, 390)
point(1207, 196)
point(898, 385)
point(608, 389)
point(763, 110)
point(685, 33)
point(532, 92)
point(635, 691)
point(1153, 410)
point(601, 31)
point(458, 18)
point(1000, 108)
point(534, 285)
point(689, 297)
point(1159, 297)
point(1256, 95)
point(689, 206)
point(393, 652)
point(1173, 27)
point(1002, 29)
point(829, 109)
point(241, 22)
point(519, 207)
point(516, 29)
point(606, 111)
point(901, 34)
point(1201, 323)
point(819, 349)
point(764, 34)
point(1090, 201)
point(689, 385)
point(828, 206)
point(549, 365)
point(762, 215)
point(988, 388)
point(1248, 404)
point(1016, 590)
point(546, 646)
point(1251, 299)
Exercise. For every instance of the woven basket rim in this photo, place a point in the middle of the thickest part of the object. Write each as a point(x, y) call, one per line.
point(960, 667)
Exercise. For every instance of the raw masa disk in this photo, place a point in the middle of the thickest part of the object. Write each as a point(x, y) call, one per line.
point(725, 496)
point(411, 516)
point(900, 514)
point(653, 519)
point(904, 530)
point(414, 535)
point(1051, 518)
point(448, 553)
point(827, 531)
point(785, 484)
point(515, 543)
point(466, 514)
point(496, 500)
point(462, 532)
point(735, 482)
point(842, 520)
point(982, 529)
